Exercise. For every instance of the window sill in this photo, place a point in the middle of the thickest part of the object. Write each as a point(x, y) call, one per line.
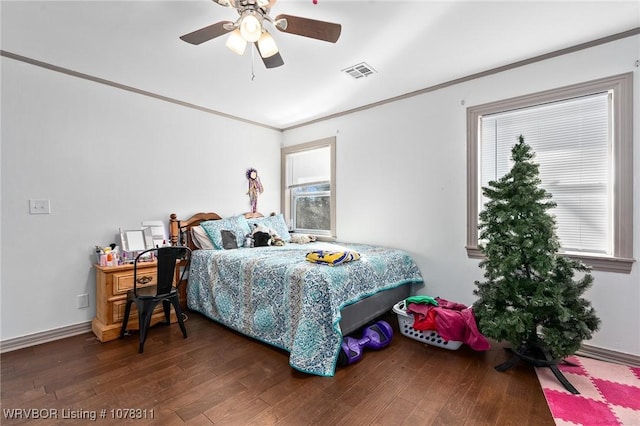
point(597, 263)
point(325, 238)
point(319, 237)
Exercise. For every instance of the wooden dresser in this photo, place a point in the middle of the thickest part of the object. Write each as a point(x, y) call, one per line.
point(112, 284)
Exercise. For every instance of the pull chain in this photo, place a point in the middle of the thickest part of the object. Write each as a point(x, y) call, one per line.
point(253, 75)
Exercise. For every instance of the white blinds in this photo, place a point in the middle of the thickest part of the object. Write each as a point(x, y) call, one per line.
point(308, 166)
point(572, 143)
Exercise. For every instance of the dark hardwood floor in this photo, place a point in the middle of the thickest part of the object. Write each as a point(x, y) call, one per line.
point(218, 376)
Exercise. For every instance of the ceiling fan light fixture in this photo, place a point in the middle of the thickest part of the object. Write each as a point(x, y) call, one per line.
point(267, 45)
point(250, 28)
point(236, 43)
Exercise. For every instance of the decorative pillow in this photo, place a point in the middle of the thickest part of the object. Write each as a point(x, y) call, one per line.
point(200, 238)
point(332, 258)
point(228, 240)
point(276, 223)
point(236, 224)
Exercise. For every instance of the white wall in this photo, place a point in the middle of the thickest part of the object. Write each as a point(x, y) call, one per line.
point(401, 179)
point(105, 158)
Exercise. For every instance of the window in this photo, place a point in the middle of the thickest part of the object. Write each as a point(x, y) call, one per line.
point(308, 200)
point(311, 208)
point(582, 139)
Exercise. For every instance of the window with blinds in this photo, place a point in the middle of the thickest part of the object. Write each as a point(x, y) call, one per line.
point(582, 137)
point(572, 143)
point(309, 187)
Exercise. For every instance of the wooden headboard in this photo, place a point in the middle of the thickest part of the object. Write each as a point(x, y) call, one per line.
point(179, 230)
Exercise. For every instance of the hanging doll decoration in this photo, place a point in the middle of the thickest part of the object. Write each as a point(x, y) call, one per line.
point(255, 188)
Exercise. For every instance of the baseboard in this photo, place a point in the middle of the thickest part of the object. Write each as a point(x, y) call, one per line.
point(609, 355)
point(16, 343)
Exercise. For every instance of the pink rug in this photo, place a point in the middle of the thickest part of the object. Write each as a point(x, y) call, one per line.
point(609, 393)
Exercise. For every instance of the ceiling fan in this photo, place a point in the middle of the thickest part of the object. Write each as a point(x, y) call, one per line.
point(250, 28)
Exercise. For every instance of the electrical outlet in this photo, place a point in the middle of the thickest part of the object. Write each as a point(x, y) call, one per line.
point(39, 207)
point(83, 301)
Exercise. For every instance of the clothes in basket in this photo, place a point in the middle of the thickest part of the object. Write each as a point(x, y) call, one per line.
point(449, 324)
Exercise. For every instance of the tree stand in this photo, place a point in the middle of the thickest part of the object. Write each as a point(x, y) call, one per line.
point(538, 356)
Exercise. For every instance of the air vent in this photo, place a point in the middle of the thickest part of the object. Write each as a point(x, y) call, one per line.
point(360, 70)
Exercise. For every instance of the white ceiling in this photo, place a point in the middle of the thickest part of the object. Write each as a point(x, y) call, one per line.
point(411, 44)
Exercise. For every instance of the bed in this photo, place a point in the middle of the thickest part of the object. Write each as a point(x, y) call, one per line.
point(275, 295)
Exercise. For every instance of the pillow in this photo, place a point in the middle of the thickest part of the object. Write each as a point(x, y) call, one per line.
point(228, 240)
point(276, 223)
point(200, 238)
point(236, 224)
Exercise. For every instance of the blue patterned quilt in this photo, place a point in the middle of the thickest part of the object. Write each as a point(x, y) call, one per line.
point(275, 295)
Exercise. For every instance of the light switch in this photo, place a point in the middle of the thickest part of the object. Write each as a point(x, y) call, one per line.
point(39, 207)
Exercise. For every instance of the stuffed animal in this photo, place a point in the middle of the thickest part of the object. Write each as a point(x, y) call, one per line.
point(258, 227)
point(302, 238)
point(261, 239)
point(263, 236)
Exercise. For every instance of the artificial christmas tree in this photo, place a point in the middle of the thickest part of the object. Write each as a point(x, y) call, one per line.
point(530, 297)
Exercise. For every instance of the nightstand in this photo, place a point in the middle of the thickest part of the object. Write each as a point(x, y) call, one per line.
point(112, 284)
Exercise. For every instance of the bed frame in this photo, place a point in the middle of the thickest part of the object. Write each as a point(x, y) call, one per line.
point(179, 230)
point(353, 316)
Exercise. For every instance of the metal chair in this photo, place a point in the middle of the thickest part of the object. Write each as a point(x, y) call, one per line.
point(147, 298)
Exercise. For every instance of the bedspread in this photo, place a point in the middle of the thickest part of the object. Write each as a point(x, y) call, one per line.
point(275, 295)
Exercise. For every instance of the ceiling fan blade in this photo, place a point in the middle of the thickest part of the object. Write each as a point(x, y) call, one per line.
point(320, 30)
point(273, 61)
point(207, 33)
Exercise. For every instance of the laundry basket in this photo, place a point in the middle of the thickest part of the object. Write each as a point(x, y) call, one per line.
point(430, 337)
